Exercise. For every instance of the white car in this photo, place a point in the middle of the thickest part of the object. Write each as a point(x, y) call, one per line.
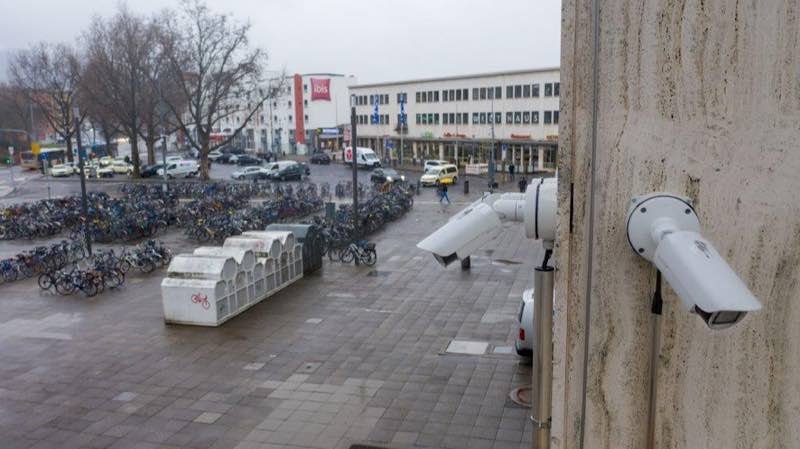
point(214, 155)
point(250, 173)
point(433, 163)
point(105, 161)
point(180, 169)
point(524, 341)
point(60, 170)
point(122, 167)
point(104, 172)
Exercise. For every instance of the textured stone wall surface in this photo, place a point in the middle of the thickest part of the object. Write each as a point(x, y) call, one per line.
point(702, 99)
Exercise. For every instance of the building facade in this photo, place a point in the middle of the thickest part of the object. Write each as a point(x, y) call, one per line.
point(461, 118)
point(306, 113)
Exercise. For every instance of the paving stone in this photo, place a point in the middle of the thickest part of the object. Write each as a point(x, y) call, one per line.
point(207, 418)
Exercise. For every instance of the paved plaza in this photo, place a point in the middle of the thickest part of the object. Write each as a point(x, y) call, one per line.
point(348, 355)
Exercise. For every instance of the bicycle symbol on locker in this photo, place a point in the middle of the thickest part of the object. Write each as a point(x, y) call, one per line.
point(201, 299)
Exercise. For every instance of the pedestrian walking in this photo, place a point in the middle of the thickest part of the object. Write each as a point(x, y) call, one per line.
point(523, 185)
point(443, 193)
point(511, 171)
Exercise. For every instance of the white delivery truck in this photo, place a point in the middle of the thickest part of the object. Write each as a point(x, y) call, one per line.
point(365, 157)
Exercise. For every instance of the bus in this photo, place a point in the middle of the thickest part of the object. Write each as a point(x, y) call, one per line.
point(31, 161)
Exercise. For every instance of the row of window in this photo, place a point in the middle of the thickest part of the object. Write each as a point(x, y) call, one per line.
point(483, 118)
point(365, 119)
point(478, 93)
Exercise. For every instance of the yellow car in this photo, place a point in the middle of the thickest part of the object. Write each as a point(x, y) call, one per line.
point(442, 174)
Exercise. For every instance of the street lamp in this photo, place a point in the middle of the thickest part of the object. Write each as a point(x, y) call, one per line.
point(353, 160)
point(76, 115)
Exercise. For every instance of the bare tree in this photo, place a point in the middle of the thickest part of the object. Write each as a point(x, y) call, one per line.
point(218, 75)
point(48, 76)
point(14, 109)
point(121, 53)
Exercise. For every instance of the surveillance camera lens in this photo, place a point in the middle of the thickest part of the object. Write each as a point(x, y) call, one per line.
point(643, 210)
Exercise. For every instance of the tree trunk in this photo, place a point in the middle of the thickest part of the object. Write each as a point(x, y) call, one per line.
point(107, 138)
point(135, 155)
point(204, 147)
point(151, 151)
point(69, 149)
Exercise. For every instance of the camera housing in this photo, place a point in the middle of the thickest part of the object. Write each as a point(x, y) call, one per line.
point(471, 228)
point(664, 229)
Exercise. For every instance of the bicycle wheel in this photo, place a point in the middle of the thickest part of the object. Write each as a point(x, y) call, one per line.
point(64, 285)
point(347, 255)
point(88, 287)
point(45, 281)
point(370, 257)
point(124, 266)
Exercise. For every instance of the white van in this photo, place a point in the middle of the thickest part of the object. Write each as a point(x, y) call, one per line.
point(366, 157)
point(180, 169)
point(273, 167)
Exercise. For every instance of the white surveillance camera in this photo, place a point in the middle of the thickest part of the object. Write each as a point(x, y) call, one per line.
point(664, 229)
point(471, 228)
point(464, 233)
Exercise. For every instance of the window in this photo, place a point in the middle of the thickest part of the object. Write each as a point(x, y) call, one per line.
point(555, 117)
point(474, 118)
point(436, 96)
point(474, 93)
point(465, 118)
point(490, 93)
point(380, 120)
point(275, 119)
point(452, 118)
point(290, 103)
point(424, 97)
point(305, 87)
point(458, 118)
point(305, 102)
point(458, 95)
point(556, 89)
point(548, 91)
point(418, 115)
point(290, 118)
point(418, 96)
point(535, 117)
point(509, 91)
point(526, 91)
point(498, 117)
point(444, 118)
point(430, 119)
point(444, 95)
point(465, 94)
point(517, 118)
point(452, 94)
point(509, 118)
point(372, 99)
point(386, 101)
point(498, 92)
point(483, 118)
point(526, 117)
point(436, 118)
point(548, 115)
point(517, 91)
point(536, 91)
point(424, 119)
point(483, 93)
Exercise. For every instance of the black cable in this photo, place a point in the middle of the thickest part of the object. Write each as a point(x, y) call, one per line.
point(547, 254)
point(657, 300)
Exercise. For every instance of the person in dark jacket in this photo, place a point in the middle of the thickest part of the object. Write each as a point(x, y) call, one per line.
point(523, 184)
point(511, 171)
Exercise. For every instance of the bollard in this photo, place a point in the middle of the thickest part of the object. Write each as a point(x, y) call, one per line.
point(418, 189)
point(466, 263)
point(466, 187)
point(330, 210)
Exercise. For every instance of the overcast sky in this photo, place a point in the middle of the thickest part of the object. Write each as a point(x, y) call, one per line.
point(373, 40)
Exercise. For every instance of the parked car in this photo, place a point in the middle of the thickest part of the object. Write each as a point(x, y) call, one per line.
point(214, 155)
point(245, 159)
point(122, 167)
point(105, 161)
point(180, 169)
point(273, 167)
point(443, 174)
point(524, 341)
point(150, 170)
point(227, 158)
point(60, 170)
point(293, 171)
point(174, 159)
point(250, 173)
point(381, 175)
point(320, 158)
point(94, 169)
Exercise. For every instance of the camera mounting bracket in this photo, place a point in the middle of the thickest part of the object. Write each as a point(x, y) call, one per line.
point(643, 212)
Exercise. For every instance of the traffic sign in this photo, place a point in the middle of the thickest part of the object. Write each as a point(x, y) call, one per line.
point(347, 133)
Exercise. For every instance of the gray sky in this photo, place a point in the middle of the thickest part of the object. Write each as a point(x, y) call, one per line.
point(374, 40)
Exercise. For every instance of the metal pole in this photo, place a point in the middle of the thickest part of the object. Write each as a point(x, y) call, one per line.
point(354, 160)
point(541, 397)
point(163, 136)
point(84, 205)
point(400, 127)
point(11, 169)
point(492, 165)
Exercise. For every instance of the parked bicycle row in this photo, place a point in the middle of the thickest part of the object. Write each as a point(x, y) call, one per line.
point(40, 259)
point(339, 241)
point(105, 269)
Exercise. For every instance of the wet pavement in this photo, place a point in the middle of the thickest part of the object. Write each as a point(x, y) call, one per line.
point(346, 355)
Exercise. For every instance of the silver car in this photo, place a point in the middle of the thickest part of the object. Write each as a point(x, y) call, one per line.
point(250, 173)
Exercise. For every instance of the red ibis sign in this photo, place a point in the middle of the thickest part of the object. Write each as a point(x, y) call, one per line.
point(320, 89)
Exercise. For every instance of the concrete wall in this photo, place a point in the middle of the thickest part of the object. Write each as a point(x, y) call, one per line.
point(699, 98)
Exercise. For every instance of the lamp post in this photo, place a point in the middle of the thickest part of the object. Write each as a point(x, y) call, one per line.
point(353, 160)
point(84, 206)
point(163, 135)
point(492, 165)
